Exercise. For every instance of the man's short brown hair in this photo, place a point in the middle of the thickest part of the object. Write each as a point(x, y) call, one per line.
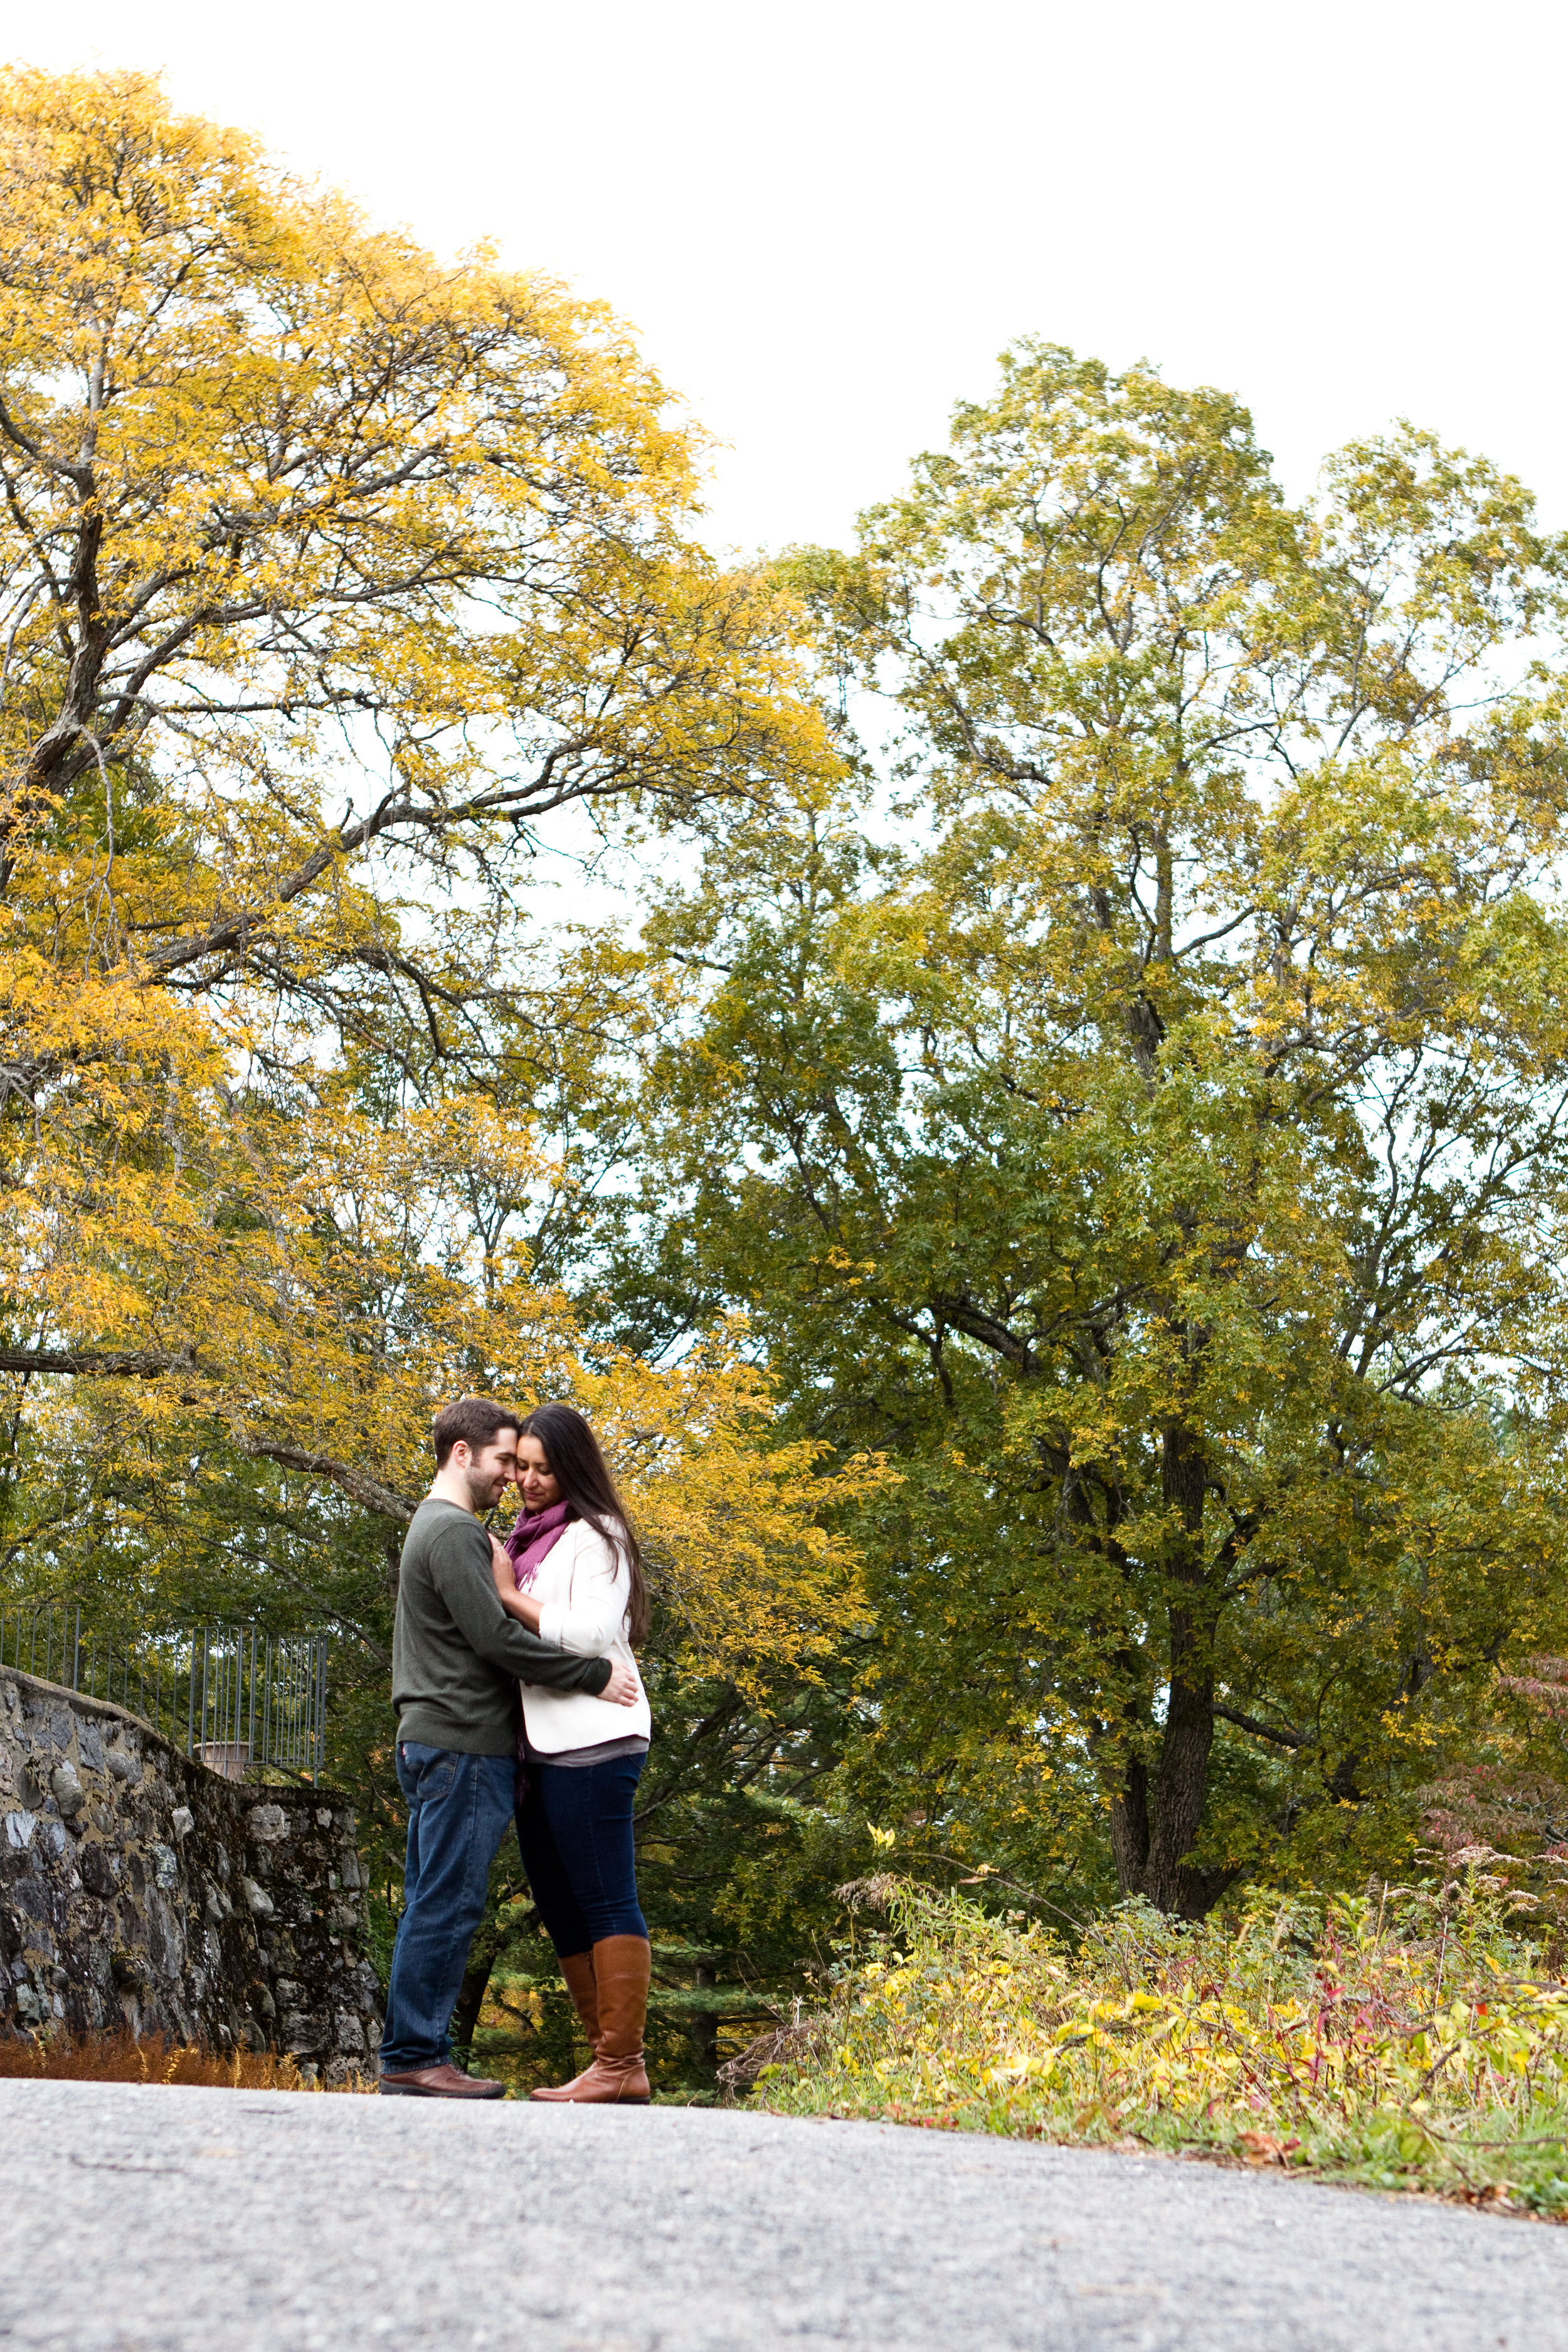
point(475, 1420)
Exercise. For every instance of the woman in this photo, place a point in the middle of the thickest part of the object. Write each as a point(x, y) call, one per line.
point(570, 1570)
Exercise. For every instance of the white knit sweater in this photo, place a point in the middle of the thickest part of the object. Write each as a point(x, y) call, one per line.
point(583, 1592)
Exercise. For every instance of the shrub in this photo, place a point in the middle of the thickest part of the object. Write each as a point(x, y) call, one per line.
point(1407, 2038)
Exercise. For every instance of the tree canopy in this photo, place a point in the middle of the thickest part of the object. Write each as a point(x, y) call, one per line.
point(1152, 1133)
point(325, 571)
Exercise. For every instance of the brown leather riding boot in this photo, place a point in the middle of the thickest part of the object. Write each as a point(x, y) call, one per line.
point(577, 1967)
point(617, 2077)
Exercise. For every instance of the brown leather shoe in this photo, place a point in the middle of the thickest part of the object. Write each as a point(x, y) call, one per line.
point(443, 2081)
point(617, 2077)
point(577, 1967)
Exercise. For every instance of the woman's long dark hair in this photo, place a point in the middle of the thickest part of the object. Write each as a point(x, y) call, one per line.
point(583, 1474)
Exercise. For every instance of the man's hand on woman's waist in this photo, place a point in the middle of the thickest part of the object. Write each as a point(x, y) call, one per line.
point(623, 1689)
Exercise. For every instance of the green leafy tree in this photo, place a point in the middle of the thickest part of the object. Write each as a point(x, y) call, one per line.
point(1155, 1139)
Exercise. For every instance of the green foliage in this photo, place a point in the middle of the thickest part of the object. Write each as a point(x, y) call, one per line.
point(1151, 1131)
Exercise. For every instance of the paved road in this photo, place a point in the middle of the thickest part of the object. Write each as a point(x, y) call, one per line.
point(188, 2220)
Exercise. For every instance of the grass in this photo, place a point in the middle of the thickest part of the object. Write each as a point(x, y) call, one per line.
point(121, 2057)
point(1411, 2039)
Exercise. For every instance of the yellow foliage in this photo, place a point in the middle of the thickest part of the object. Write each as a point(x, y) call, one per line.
point(326, 569)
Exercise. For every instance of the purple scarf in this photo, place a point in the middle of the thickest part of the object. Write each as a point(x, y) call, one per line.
point(535, 1535)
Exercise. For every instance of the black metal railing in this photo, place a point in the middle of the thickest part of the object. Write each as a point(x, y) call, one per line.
point(236, 1695)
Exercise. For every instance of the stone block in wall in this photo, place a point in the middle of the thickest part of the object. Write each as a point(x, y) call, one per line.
point(139, 1887)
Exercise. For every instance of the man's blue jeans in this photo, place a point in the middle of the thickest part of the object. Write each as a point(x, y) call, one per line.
point(459, 1808)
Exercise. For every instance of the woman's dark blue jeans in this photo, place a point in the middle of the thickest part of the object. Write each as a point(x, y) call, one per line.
point(574, 1826)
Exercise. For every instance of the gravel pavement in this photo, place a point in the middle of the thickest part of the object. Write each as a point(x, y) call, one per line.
point(186, 2221)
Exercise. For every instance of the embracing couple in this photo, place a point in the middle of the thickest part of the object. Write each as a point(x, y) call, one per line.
point(555, 1612)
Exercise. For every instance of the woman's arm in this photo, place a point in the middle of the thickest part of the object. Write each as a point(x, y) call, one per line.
point(594, 1613)
point(520, 1606)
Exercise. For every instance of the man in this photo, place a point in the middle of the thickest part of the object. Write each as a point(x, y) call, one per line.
point(457, 1658)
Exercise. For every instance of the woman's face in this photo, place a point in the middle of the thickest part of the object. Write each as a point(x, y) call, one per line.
point(536, 1482)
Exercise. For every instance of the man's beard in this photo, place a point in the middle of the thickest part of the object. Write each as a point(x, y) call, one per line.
point(482, 1491)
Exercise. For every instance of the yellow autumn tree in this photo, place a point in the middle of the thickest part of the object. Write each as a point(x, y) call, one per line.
point(328, 570)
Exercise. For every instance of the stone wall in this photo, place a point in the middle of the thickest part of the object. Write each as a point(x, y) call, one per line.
point(139, 1888)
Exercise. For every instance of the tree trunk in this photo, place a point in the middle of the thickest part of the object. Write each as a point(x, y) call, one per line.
point(471, 1993)
point(1129, 1828)
point(704, 2024)
point(1181, 1782)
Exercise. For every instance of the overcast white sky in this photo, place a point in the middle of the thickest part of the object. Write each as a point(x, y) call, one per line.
point(824, 221)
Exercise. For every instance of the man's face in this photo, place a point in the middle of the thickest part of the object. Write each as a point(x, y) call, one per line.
point(491, 1469)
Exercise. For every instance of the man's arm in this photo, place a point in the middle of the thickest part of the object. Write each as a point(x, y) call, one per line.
point(461, 1571)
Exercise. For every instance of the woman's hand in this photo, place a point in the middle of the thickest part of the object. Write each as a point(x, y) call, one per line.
point(517, 1604)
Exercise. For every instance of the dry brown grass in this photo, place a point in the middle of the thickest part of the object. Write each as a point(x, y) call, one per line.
point(122, 2058)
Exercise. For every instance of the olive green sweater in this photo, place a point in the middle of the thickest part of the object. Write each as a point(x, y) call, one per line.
point(457, 1656)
